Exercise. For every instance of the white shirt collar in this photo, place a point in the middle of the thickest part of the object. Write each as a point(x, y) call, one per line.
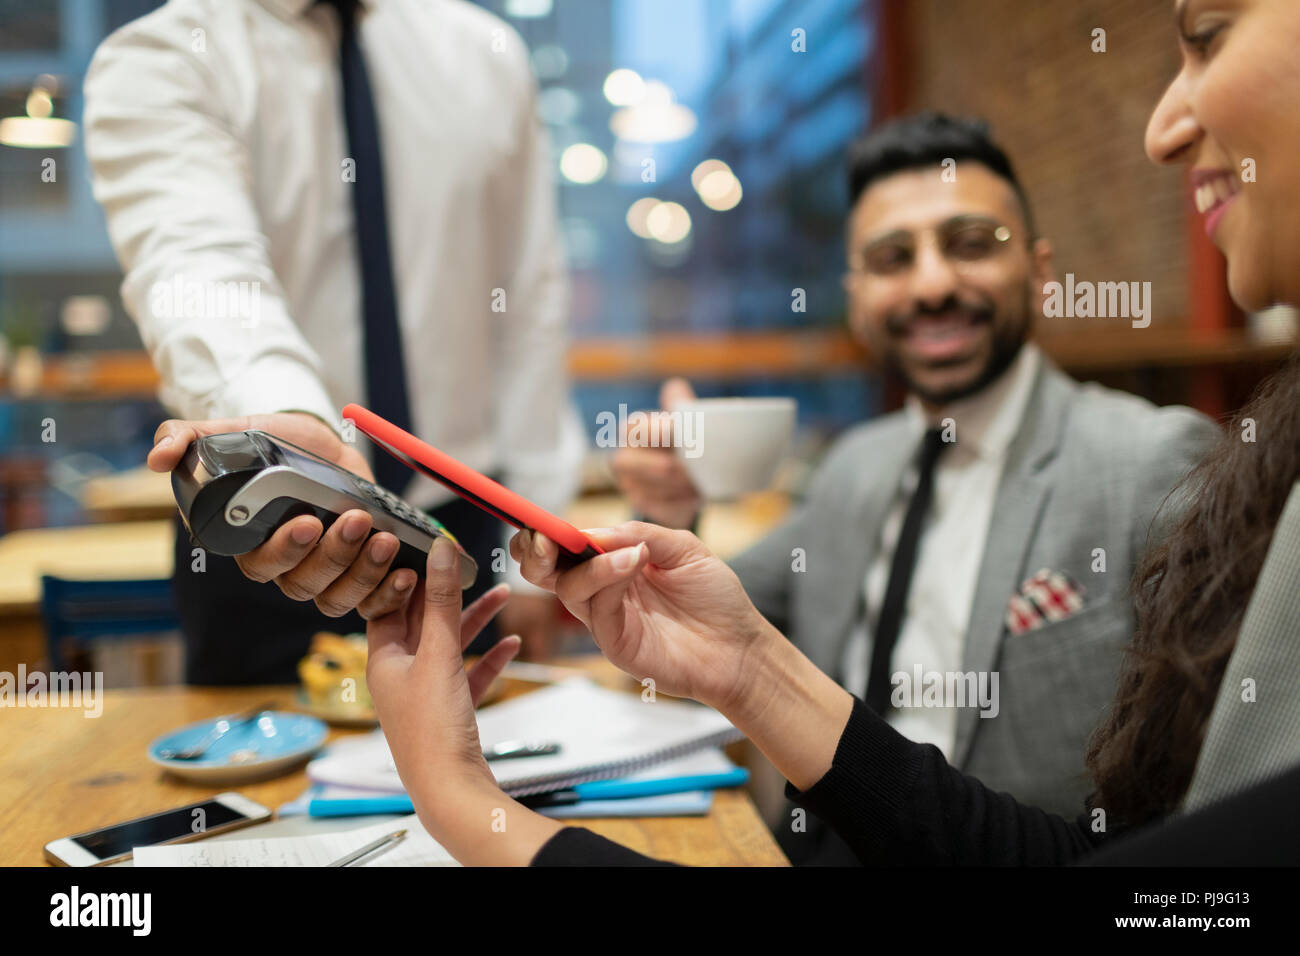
point(988, 420)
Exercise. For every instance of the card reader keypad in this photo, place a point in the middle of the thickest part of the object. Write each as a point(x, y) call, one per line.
point(396, 506)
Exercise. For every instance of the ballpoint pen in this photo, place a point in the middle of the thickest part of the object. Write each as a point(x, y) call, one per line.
point(356, 855)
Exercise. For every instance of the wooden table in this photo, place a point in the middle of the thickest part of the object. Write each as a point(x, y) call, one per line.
point(65, 773)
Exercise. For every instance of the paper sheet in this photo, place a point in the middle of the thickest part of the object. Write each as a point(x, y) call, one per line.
point(417, 848)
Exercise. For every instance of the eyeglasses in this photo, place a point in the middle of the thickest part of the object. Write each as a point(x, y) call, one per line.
point(964, 241)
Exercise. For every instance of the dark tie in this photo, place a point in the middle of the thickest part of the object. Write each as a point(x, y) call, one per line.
point(385, 375)
point(900, 573)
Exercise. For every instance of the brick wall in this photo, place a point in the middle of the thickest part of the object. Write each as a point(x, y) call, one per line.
point(1072, 121)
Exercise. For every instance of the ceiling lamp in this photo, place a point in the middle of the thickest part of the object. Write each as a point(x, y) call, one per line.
point(655, 118)
point(39, 129)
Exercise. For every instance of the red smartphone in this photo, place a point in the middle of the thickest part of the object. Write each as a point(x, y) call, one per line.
point(475, 487)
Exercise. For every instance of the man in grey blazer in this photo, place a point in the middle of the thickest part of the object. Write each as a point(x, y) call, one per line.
point(963, 562)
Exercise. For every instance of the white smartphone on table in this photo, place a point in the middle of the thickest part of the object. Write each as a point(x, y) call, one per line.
point(112, 844)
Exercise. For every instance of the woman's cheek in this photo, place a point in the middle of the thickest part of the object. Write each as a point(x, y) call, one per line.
point(1245, 284)
point(1250, 251)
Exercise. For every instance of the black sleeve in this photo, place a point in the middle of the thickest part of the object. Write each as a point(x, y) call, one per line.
point(576, 846)
point(896, 802)
point(1254, 828)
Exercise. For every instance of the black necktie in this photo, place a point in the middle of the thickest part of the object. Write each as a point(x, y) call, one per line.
point(385, 375)
point(900, 573)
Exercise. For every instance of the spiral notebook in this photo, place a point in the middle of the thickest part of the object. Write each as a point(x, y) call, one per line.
point(601, 733)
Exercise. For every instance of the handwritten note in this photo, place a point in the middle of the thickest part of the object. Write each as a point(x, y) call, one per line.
point(417, 848)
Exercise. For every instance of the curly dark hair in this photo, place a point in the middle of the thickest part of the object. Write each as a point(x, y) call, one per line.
point(1191, 592)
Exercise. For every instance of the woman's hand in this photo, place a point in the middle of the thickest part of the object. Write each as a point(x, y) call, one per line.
point(415, 674)
point(660, 605)
point(425, 701)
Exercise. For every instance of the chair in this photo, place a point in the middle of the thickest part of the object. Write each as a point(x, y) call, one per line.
point(78, 613)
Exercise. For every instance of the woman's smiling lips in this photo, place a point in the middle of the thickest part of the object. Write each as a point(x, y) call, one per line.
point(1214, 191)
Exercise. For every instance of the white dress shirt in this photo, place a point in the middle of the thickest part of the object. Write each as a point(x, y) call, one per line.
point(216, 137)
point(937, 614)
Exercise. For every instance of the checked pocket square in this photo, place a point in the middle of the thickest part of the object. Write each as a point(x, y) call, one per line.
point(1046, 597)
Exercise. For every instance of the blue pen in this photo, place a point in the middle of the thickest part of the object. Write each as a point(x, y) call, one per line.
point(620, 789)
point(358, 806)
point(627, 789)
point(594, 790)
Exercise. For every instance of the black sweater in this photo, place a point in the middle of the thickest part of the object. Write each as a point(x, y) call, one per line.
point(894, 802)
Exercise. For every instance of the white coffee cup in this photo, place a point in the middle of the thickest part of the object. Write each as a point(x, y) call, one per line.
point(732, 446)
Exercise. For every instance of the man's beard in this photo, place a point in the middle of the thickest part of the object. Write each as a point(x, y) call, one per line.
point(1008, 339)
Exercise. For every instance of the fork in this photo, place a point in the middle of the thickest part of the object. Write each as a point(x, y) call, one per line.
point(222, 727)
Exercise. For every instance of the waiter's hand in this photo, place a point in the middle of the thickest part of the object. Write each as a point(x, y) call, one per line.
point(339, 570)
point(653, 478)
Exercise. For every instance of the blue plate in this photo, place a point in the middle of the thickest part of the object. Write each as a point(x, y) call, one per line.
point(271, 744)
